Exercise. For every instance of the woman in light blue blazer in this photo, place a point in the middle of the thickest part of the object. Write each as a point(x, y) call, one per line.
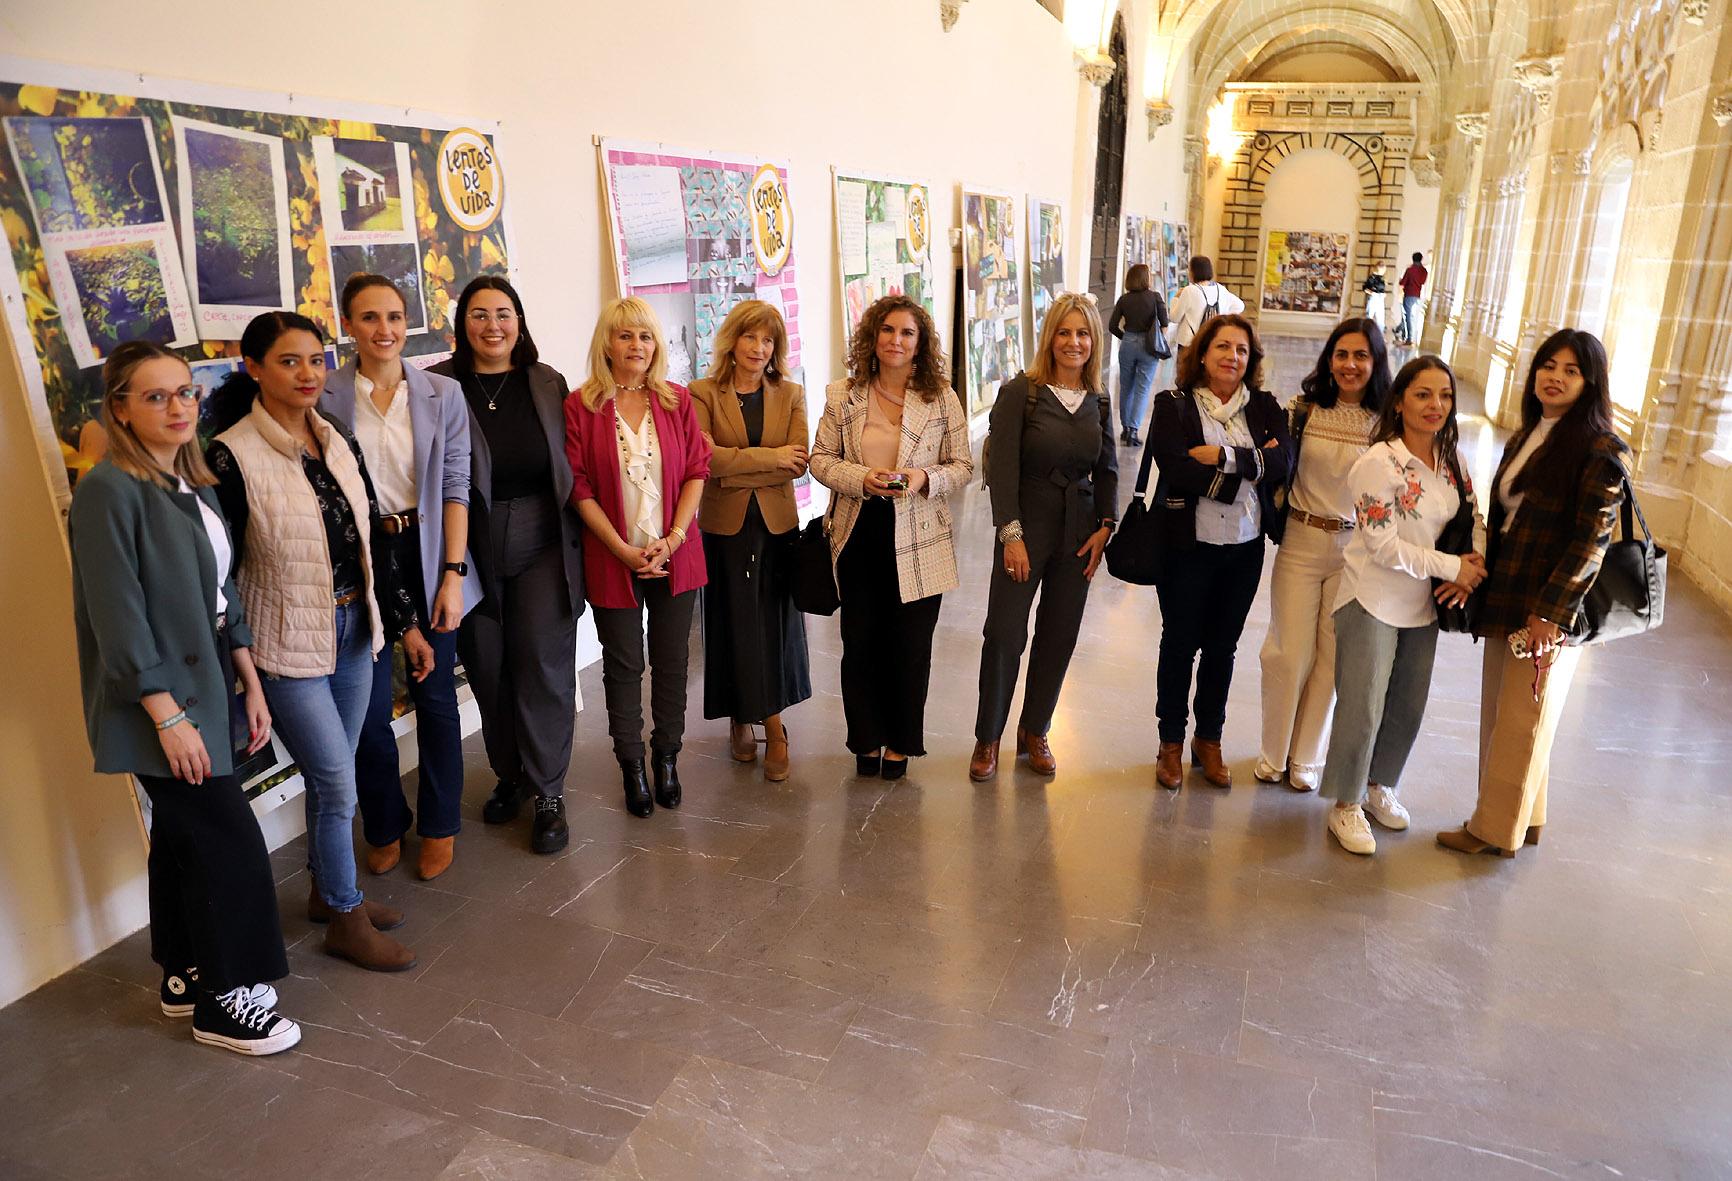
point(414, 431)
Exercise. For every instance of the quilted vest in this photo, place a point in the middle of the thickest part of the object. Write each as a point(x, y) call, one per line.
point(285, 571)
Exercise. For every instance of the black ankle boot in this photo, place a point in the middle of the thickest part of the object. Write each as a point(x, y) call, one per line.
point(637, 791)
point(667, 773)
point(502, 806)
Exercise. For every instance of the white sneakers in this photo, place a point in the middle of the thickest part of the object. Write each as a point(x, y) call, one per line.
point(1385, 808)
point(1349, 827)
point(1265, 771)
point(1299, 778)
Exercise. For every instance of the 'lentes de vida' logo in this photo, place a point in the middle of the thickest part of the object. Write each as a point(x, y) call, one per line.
point(772, 220)
point(919, 226)
point(470, 180)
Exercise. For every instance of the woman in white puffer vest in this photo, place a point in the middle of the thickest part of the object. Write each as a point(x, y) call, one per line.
point(327, 600)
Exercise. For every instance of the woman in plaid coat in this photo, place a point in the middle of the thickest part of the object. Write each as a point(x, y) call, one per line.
point(1554, 505)
point(892, 446)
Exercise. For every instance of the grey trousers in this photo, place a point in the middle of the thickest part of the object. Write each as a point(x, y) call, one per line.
point(521, 653)
point(621, 631)
point(1382, 681)
point(1057, 573)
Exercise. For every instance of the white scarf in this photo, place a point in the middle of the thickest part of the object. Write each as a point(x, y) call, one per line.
point(1230, 414)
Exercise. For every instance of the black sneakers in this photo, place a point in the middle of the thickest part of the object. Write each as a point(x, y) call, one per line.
point(234, 1022)
point(550, 834)
point(180, 993)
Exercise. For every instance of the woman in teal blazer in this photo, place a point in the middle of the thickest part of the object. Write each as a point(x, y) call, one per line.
point(161, 638)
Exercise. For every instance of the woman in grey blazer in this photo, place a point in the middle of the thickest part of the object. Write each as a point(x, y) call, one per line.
point(1054, 475)
point(519, 645)
point(414, 431)
point(161, 639)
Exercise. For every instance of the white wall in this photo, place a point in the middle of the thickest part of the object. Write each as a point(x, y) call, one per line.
point(1418, 232)
point(1313, 189)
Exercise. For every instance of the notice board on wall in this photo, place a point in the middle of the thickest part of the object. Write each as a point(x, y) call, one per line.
point(174, 212)
point(883, 242)
point(992, 295)
point(1045, 260)
point(1305, 271)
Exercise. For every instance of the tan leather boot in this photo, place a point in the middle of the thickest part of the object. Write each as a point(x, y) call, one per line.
point(741, 742)
point(1038, 750)
point(776, 759)
point(1169, 771)
point(383, 918)
point(351, 937)
point(435, 857)
point(384, 858)
point(1206, 757)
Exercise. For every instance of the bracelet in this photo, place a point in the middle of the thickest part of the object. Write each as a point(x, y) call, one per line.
point(172, 721)
point(1010, 532)
point(682, 533)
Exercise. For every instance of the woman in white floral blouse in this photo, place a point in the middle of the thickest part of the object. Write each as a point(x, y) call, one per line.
point(1406, 487)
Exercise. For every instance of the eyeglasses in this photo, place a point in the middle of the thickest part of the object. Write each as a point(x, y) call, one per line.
point(482, 316)
point(188, 395)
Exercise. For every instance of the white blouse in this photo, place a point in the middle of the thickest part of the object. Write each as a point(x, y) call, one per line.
point(1402, 506)
point(1241, 521)
point(1510, 499)
point(388, 443)
point(640, 478)
point(219, 544)
point(1335, 438)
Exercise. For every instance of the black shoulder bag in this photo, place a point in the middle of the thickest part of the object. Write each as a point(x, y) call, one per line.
point(1629, 593)
point(1134, 553)
point(1456, 538)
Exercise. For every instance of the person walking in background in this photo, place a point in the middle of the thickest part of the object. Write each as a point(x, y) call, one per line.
point(162, 635)
point(754, 418)
point(1222, 447)
point(1557, 495)
point(519, 644)
point(1331, 423)
point(1198, 300)
point(413, 428)
point(1054, 482)
point(893, 446)
point(1407, 487)
point(1412, 283)
point(1376, 291)
point(1139, 313)
point(638, 466)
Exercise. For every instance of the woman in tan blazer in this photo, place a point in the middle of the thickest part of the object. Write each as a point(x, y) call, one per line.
point(754, 638)
point(892, 446)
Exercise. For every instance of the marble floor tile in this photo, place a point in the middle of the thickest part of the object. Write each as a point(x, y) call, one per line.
point(964, 1149)
point(493, 1158)
point(717, 1119)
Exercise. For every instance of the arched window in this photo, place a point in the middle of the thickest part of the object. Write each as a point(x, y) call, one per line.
point(1109, 174)
point(1606, 235)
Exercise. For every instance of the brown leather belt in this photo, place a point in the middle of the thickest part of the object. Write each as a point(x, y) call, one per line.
point(347, 597)
point(395, 523)
point(1327, 524)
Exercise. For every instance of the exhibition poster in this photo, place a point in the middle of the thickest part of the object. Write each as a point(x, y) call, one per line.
point(1045, 257)
point(153, 216)
point(695, 233)
point(883, 241)
point(1304, 271)
point(992, 297)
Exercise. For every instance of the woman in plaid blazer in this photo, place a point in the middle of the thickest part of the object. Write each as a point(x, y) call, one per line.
point(1554, 505)
point(892, 446)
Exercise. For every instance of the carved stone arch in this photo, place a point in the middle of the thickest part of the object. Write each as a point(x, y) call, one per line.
point(1382, 169)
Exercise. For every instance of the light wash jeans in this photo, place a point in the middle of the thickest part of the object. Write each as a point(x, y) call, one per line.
point(1382, 681)
point(319, 720)
point(1408, 303)
point(1136, 380)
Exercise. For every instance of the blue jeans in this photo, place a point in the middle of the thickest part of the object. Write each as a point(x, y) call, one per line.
point(385, 814)
point(319, 720)
point(1136, 381)
point(1408, 303)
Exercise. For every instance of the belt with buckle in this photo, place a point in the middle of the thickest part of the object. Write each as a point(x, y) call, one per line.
point(222, 622)
point(1327, 524)
point(395, 523)
point(344, 598)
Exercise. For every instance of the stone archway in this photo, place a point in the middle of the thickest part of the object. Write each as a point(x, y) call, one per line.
point(1380, 160)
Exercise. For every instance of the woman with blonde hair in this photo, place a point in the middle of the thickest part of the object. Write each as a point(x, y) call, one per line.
point(754, 639)
point(892, 446)
point(638, 466)
point(1054, 478)
point(161, 637)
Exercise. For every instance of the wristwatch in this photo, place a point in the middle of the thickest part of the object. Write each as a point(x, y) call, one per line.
point(460, 569)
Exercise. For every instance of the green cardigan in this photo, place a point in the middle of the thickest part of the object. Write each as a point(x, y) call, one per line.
point(144, 602)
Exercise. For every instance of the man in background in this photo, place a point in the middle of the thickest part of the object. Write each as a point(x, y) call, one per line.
point(1412, 283)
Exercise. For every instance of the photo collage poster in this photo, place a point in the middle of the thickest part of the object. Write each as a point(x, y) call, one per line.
point(992, 296)
point(1045, 258)
point(367, 197)
point(1134, 246)
point(145, 217)
point(883, 241)
point(695, 233)
point(1305, 271)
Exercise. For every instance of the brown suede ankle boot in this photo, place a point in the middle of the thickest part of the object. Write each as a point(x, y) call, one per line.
point(435, 858)
point(383, 918)
point(1206, 757)
point(776, 758)
point(1169, 771)
point(351, 937)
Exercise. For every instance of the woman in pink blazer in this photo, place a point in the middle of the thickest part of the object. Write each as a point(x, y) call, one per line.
point(638, 466)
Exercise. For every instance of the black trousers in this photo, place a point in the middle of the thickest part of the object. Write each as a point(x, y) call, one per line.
point(1205, 593)
point(886, 643)
point(621, 631)
point(521, 653)
point(213, 900)
point(1055, 571)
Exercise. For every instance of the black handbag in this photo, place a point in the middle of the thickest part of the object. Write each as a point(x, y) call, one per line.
point(1134, 553)
point(1456, 538)
point(1629, 593)
point(1159, 347)
point(811, 573)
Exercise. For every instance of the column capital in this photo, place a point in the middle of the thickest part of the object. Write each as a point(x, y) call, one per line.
point(1160, 115)
point(1538, 75)
point(1720, 107)
point(1694, 12)
point(1096, 68)
point(1472, 124)
point(948, 12)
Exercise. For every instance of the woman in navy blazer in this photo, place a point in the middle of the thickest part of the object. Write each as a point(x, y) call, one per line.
point(414, 431)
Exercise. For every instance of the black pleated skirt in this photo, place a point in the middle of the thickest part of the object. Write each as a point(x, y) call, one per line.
point(754, 637)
